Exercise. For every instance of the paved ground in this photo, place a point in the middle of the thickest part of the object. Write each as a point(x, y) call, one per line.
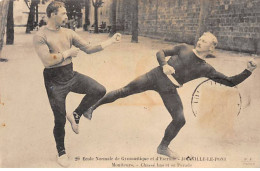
point(130, 127)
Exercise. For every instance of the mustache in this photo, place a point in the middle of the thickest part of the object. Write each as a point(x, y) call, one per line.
point(65, 21)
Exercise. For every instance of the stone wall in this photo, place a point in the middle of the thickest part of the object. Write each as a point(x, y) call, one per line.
point(236, 23)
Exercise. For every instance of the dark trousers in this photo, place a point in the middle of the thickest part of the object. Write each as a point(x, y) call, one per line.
point(154, 80)
point(59, 82)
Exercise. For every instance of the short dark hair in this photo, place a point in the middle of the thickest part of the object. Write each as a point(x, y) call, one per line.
point(54, 7)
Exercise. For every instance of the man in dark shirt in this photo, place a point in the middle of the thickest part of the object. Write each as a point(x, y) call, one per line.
point(185, 64)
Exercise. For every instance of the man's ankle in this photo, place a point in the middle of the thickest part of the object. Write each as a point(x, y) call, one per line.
point(62, 152)
point(164, 144)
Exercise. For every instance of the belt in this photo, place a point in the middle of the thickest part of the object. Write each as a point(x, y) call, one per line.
point(174, 81)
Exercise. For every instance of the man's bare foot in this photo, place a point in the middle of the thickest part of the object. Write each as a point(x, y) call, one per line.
point(163, 150)
point(88, 113)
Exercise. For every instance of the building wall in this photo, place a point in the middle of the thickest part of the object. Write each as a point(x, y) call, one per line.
point(236, 23)
point(21, 12)
point(172, 20)
point(104, 13)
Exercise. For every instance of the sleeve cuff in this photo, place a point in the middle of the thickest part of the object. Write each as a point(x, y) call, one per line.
point(247, 71)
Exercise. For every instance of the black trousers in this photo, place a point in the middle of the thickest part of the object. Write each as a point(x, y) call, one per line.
point(59, 82)
point(154, 80)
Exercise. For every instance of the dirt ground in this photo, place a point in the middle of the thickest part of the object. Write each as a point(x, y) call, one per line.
point(128, 131)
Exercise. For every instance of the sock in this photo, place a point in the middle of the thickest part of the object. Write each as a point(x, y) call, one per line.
point(61, 151)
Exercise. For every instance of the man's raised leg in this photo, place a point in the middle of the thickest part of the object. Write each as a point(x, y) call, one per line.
point(94, 91)
point(138, 85)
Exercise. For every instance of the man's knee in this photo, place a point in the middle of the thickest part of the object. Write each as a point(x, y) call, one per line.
point(100, 91)
point(180, 120)
point(125, 91)
point(183, 122)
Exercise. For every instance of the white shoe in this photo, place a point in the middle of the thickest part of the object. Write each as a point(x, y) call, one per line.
point(63, 160)
point(74, 125)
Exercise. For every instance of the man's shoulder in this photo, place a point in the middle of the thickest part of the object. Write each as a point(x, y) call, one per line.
point(182, 46)
point(41, 32)
point(207, 67)
point(66, 30)
point(185, 47)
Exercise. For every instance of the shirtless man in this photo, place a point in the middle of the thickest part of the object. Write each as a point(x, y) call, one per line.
point(185, 64)
point(54, 46)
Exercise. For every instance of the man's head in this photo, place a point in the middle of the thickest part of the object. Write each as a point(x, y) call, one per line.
point(207, 43)
point(56, 11)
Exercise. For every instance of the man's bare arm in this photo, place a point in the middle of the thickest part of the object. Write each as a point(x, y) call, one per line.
point(51, 59)
point(84, 46)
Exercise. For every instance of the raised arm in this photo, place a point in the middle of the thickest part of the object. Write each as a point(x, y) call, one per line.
point(167, 52)
point(167, 69)
point(233, 80)
point(84, 46)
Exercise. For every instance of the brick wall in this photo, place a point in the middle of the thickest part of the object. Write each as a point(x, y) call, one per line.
point(172, 20)
point(236, 23)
